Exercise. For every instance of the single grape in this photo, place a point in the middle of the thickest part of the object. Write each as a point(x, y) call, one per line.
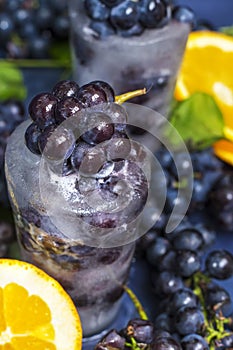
point(183, 297)
point(188, 320)
point(107, 88)
point(219, 264)
point(216, 297)
point(165, 342)
point(156, 250)
point(65, 88)
point(32, 134)
point(112, 340)
point(6, 27)
point(188, 239)
point(187, 263)
point(102, 29)
point(141, 330)
point(41, 109)
point(194, 342)
point(96, 9)
point(118, 147)
point(92, 94)
point(66, 108)
point(184, 14)
point(125, 15)
point(166, 283)
point(154, 13)
point(99, 129)
point(56, 143)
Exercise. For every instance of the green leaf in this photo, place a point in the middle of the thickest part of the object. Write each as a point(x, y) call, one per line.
point(198, 121)
point(227, 30)
point(11, 82)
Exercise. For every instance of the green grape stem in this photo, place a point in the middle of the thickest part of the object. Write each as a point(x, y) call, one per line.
point(128, 95)
point(213, 323)
point(133, 344)
point(136, 303)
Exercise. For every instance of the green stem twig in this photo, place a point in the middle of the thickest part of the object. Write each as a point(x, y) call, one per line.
point(136, 303)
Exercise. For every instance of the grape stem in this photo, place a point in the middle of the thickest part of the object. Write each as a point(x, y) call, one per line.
point(128, 95)
point(136, 303)
point(213, 333)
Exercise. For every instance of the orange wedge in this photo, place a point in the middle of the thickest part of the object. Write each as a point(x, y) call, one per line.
point(35, 311)
point(207, 66)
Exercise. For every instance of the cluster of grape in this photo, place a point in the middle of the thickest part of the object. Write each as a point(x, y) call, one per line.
point(98, 167)
point(193, 310)
point(138, 334)
point(212, 184)
point(128, 17)
point(28, 27)
point(12, 113)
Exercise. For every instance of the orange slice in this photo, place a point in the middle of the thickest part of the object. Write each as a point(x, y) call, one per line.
point(35, 311)
point(207, 66)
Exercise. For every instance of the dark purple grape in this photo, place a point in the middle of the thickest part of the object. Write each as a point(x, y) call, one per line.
point(167, 262)
point(66, 108)
point(166, 283)
point(136, 29)
point(32, 134)
point(188, 239)
point(102, 129)
point(154, 13)
point(6, 27)
point(87, 160)
point(216, 296)
point(92, 94)
point(107, 88)
point(219, 264)
point(187, 263)
point(194, 342)
point(65, 88)
point(41, 109)
point(56, 143)
point(163, 321)
point(125, 15)
point(44, 136)
point(141, 330)
point(226, 342)
point(165, 342)
point(156, 250)
point(101, 29)
point(96, 9)
point(61, 26)
point(184, 14)
point(38, 47)
point(112, 340)
point(183, 297)
point(188, 320)
point(118, 147)
point(78, 154)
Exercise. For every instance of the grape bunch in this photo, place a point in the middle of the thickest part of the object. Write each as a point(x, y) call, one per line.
point(212, 185)
point(193, 310)
point(127, 17)
point(28, 28)
point(12, 113)
point(98, 155)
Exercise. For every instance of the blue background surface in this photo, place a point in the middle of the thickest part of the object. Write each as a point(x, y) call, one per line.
point(218, 12)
